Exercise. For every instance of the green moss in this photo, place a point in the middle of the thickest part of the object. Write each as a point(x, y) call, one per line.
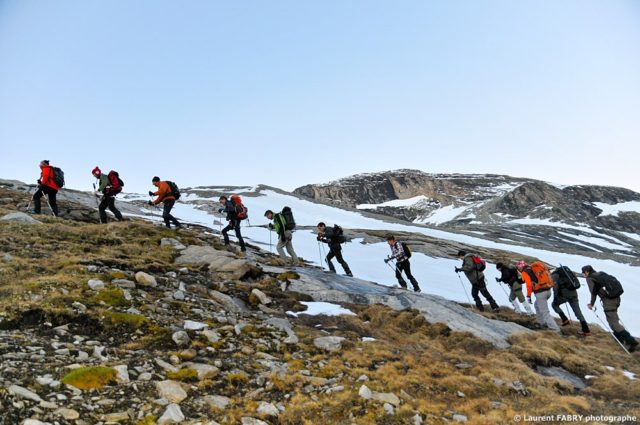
point(111, 296)
point(286, 276)
point(117, 275)
point(237, 379)
point(126, 320)
point(88, 378)
point(148, 420)
point(185, 375)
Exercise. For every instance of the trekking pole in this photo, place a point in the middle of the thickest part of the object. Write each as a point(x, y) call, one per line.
point(320, 255)
point(270, 243)
point(395, 269)
point(608, 329)
point(464, 289)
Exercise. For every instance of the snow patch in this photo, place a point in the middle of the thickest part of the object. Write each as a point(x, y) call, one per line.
point(322, 308)
point(608, 209)
point(397, 203)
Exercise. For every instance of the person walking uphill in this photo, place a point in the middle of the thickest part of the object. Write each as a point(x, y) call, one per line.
point(167, 194)
point(609, 289)
point(538, 280)
point(235, 213)
point(47, 185)
point(401, 253)
point(565, 291)
point(285, 235)
point(333, 237)
point(109, 185)
point(472, 266)
point(511, 277)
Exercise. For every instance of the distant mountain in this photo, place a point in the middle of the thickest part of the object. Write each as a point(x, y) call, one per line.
point(498, 206)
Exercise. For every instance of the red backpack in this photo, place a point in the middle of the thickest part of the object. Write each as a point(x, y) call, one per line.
point(479, 263)
point(115, 182)
point(242, 212)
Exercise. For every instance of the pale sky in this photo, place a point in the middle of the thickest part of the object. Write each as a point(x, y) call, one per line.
point(288, 93)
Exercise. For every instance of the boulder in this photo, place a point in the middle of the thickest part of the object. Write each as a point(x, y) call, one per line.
point(171, 391)
point(20, 217)
point(145, 279)
point(173, 243)
point(172, 415)
point(329, 343)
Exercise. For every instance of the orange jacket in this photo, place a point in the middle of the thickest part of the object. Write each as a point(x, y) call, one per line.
point(528, 282)
point(46, 177)
point(163, 193)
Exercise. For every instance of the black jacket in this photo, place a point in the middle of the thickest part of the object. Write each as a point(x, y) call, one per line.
point(509, 275)
point(330, 237)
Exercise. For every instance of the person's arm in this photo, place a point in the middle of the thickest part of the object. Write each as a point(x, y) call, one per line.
point(593, 288)
point(46, 175)
point(527, 281)
point(467, 264)
point(161, 193)
point(104, 182)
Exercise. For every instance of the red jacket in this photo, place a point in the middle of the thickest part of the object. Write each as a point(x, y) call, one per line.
point(46, 177)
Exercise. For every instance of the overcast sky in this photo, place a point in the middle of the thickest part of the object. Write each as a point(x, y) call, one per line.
point(288, 93)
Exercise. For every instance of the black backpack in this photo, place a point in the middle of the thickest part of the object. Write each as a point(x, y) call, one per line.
point(58, 176)
point(609, 284)
point(289, 221)
point(566, 278)
point(175, 192)
point(406, 249)
point(338, 234)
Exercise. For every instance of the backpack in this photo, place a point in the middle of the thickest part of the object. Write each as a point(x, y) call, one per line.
point(610, 285)
point(175, 192)
point(479, 263)
point(116, 183)
point(406, 249)
point(566, 278)
point(242, 212)
point(540, 276)
point(289, 221)
point(338, 234)
point(58, 176)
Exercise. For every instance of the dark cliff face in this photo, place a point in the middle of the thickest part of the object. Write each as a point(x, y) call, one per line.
point(490, 198)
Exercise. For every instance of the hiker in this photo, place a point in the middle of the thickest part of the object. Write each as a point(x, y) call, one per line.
point(565, 290)
point(235, 213)
point(165, 194)
point(538, 280)
point(333, 236)
point(511, 277)
point(472, 266)
point(401, 253)
point(285, 236)
point(609, 289)
point(108, 187)
point(46, 186)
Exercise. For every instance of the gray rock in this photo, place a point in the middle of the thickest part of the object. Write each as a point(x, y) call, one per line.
point(262, 297)
point(563, 374)
point(252, 421)
point(145, 279)
point(20, 217)
point(124, 283)
point(145, 376)
point(174, 243)
point(204, 370)
point(365, 392)
point(389, 409)
point(96, 284)
point(285, 326)
point(68, 414)
point(179, 295)
point(192, 325)
point(460, 418)
point(232, 305)
point(114, 418)
point(268, 409)
point(217, 401)
point(386, 398)
point(34, 422)
point(212, 336)
point(7, 258)
point(329, 343)
point(219, 261)
point(122, 374)
point(22, 392)
point(417, 419)
point(171, 391)
point(181, 338)
point(172, 415)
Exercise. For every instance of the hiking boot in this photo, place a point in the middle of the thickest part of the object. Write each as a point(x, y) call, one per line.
point(584, 333)
point(349, 274)
point(417, 290)
point(495, 309)
point(566, 322)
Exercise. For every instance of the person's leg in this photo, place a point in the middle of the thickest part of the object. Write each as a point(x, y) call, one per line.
point(407, 271)
point(280, 249)
point(37, 203)
point(102, 209)
point(328, 258)
point(474, 293)
point(401, 281)
point(610, 307)
point(51, 194)
point(243, 247)
point(338, 253)
point(555, 305)
point(225, 232)
point(575, 306)
point(113, 209)
point(542, 300)
point(289, 245)
point(482, 286)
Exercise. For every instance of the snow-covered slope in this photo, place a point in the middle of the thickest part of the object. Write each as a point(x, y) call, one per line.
point(365, 254)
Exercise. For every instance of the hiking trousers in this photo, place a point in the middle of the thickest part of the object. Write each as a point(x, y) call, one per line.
point(516, 292)
point(405, 266)
point(108, 201)
point(543, 315)
point(233, 225)
point(287, 243)
point(610, 307)
point(336, 251)
point(573, 303)
point(166, 214)
point(481, 287)
point(51, 195)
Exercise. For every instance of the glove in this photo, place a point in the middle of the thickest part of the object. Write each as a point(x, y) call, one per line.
point(97, 193)
point(458, 270)
point(270, 226)
point(318, 238)
point(529, 300)
point(386, 260)
point(150, 203)
point(151, 193)
point(220, 210)
point(498, 279)
point(39, 181)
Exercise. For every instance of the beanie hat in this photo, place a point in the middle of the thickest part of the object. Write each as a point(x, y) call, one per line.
point(96, 171)
point(155, 179)
point(521, 264)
